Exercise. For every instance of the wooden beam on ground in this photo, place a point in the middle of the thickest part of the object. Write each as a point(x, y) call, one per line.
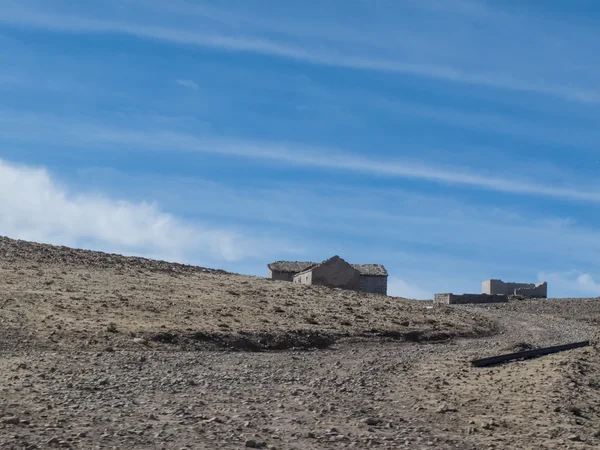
point(527, 354)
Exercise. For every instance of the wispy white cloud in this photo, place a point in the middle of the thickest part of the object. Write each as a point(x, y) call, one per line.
point(588, 284)
point(581, 134)
point(436, 68)
point(188, 84)
point(84, 135)
point(572, 283)
point(35, 206)
point(338, 160)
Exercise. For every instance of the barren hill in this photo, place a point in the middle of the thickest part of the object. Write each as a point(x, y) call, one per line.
point(56, 297)
point(104, 351)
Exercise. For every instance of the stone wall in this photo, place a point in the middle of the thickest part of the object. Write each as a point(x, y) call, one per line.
point(492, 287)
point(338, 274)
point(538, 291)
point(281, 276)
point(452, 299)
point(303, 277)
point(373, 284)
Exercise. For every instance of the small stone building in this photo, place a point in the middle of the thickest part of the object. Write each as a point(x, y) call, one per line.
point(373, 277)
point(499, 287)
point(333, 272)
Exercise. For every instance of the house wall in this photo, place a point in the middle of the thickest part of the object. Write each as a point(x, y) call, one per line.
point(303, 278)
point(281, 276)
point(492, 287)
point(452, 299)
point(373, 284)
point(500, 287)
point(333, 273)
point(336, 274)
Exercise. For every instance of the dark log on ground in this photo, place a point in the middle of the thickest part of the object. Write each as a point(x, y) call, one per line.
point(493, 360)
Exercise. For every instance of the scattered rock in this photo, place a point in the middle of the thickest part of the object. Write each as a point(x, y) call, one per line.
point(489, 425)
point(11, 420)
point(53, 441)
point(575, 410)
point(371, 421)
point(443, 409)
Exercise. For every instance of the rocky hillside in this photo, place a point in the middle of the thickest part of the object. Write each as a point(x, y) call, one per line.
point(57, 297)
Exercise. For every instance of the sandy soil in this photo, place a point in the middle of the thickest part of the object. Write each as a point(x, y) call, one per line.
point(102, 351)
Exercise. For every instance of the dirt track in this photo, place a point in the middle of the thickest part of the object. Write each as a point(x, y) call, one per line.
point(88, 362)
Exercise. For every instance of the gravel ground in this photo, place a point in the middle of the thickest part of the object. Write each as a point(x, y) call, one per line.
point(123, 377)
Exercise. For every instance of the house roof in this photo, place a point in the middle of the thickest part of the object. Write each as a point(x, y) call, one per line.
point(290, 266)
point(333, 258)
point(373, 270)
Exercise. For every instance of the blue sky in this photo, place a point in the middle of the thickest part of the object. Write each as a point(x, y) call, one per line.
point(451, 140)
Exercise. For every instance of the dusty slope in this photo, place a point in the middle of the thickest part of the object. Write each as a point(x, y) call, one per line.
point(375, 395)
point(62, 298)
point(68, 382)
point(579, 309)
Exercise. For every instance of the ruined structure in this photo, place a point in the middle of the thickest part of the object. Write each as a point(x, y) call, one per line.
point(530, 290)
point(496, 291)
point(373, 277)
point(453, 299)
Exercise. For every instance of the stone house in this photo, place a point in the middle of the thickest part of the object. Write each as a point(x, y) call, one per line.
point(373, 277)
